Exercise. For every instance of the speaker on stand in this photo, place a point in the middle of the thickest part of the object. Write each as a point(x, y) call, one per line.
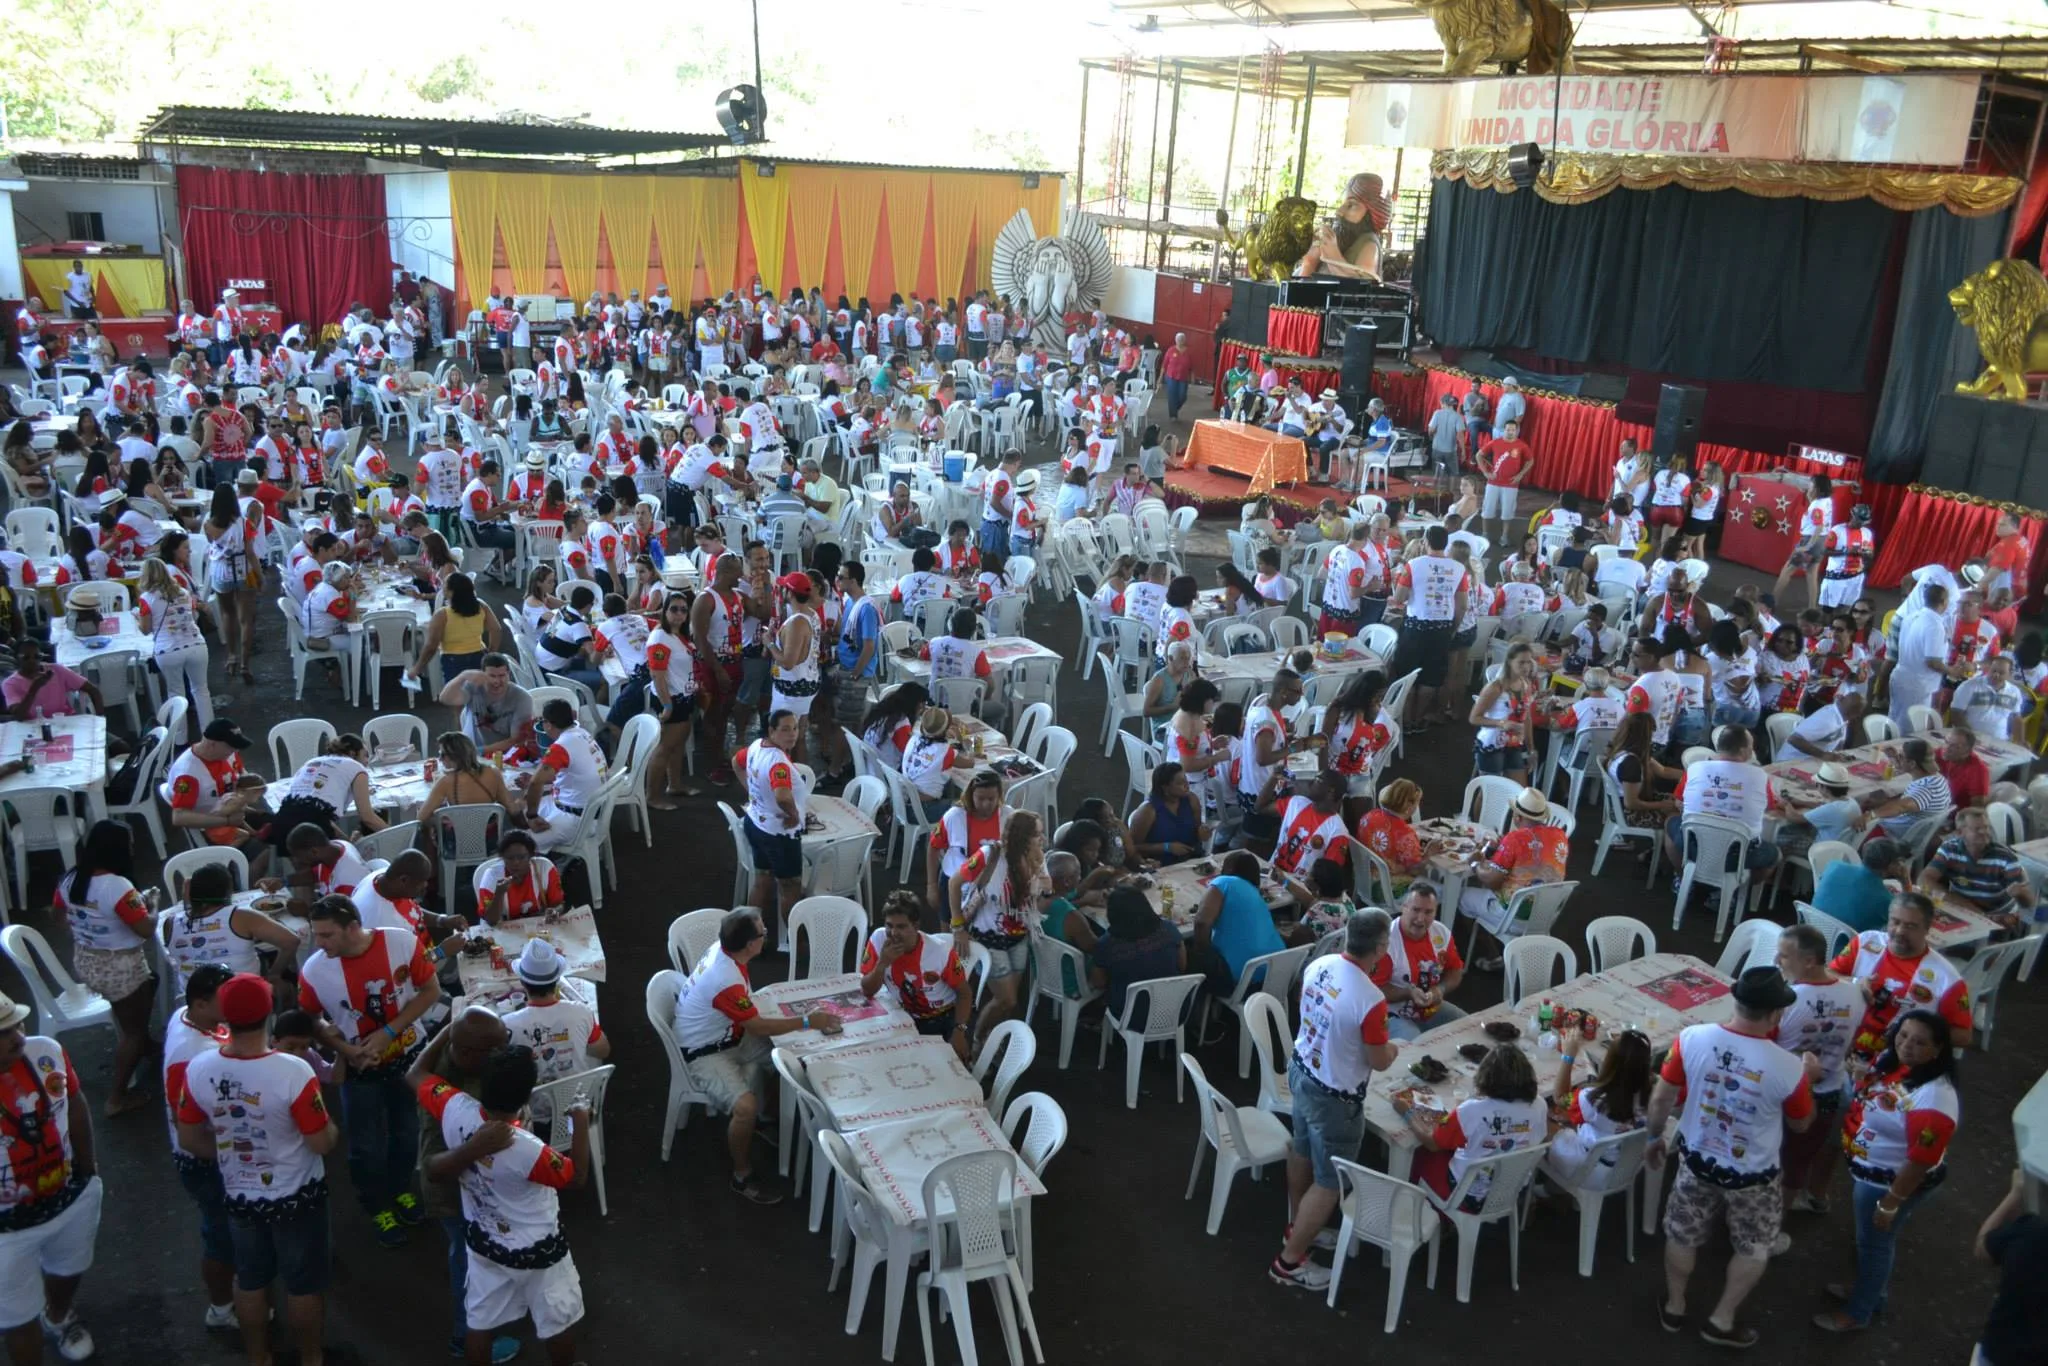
point(1679, 408)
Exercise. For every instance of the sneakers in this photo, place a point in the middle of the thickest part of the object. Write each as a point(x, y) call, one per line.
point(390, 1233)
point(503, 1349)
point(220, 1316)
point(70, 1339)
point(752, 1188)
point(1807, 1204)
point(408, 1210)
point(1781, 1244)
point(1326, 1239)
point(1304, 1276)
point(1738, 1339)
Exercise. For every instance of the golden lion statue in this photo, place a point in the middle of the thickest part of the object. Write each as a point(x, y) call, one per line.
point(1529, 37)
point(2006, 303)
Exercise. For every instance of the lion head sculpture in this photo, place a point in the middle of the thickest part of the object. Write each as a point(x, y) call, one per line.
point(2005, 304)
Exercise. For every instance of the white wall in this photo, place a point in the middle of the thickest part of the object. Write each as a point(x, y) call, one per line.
point(10, 254)
point(422, 228)
point(127, 206)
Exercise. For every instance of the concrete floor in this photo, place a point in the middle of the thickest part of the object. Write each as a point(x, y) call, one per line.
point(683, 1270)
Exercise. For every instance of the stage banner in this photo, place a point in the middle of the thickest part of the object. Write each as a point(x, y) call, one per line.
point(1918, 120)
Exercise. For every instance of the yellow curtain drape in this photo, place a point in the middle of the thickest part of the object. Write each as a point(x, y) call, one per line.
point(767, 201)
point(997, 202)
point(572, 211)
point(1045, 204)
point(677, 203)
point(810, 217)
point(954, 199)
point(473, 204)
point(907, 191)
point(627, 205)
point(1578, 178)
point(134, 284)
point(718, 233)
point(860, 218)
point(523, 222)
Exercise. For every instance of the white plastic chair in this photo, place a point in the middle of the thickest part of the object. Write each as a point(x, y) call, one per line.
point(1048, 984)
point(399, 730)
point(1012, 1045)
point(1753, 945)
point(637, 742)
point(1265, 1019)
point(860, 1227)
point(1391, 1214)
point(691, 935)
point(1919, 720)
point(1613, 940)
point(1510, 1172)
point(178, 870)
point(43, 820)
point(1984, 974)
point(1610, 1167)
point(295, 741)
point(662, 989)
point(150, 763)
point(1119, 706)
point(62, 1003)
point(1490, 801)
point(1168, 1002)
point(1243, 1136)
point(801, 1149)
point(834, 927)
point(1272, 974)
point(1710, 844)
point(1838, 932)
point(388, 636)
point(1615, 828)
point(968, 1200)
point(1530, 911)
point(1529, 960)
point(466, 835)
point(559, 1095)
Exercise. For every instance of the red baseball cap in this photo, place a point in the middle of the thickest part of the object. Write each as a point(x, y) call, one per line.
point(244, 1001)
point(797, 583)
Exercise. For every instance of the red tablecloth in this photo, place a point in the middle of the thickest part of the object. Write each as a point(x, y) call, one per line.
point(1267, 458)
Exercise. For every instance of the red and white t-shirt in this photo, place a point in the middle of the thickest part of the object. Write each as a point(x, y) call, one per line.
point(1892, 1122)
point(1481, 1128)
point(1739, 1090)
point(1342, 1012)
point(1434, 582)
point(927, 982)
point(1929, 982)
point(578, 765)
point(508, 1198)
point(539, 892)
point(379, 911)
point(1357, 744)
point(769, 774)
point(261, 1110)
point(715, 1003)
point(1307, 834)
point(952, 657)
point(183, 1041)
point(109, 917)
point(559, 1033)
point(197, 784)
point(960, 833)
point(328, 778)
point(1421, 963)
point(670, 657)
point(361, 995)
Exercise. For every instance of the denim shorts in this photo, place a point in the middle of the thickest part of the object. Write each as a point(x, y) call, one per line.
point(201, 1181)
point(779, 856)
point(294, 1249)
point(1499, 761)
point(1326, 1125)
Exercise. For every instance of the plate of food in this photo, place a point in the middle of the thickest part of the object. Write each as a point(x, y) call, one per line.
point(1206, 868)
point(1473, 1052)
point(269, 905)
point(1429, 1069)
point(1502, 1031)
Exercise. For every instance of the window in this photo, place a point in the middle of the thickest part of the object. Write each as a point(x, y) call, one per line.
point(86, 227)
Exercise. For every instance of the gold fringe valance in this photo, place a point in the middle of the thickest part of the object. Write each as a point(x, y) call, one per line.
point(1972, 500)
point(1579, 177)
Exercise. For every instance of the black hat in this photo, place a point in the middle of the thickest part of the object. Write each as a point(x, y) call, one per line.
point(1763, 989)
point(223, 729)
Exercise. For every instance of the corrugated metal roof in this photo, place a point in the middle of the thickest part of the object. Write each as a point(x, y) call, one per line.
point(378, 132)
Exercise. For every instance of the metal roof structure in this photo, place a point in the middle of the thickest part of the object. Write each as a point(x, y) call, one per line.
point(1332, 73)
point(374, 134)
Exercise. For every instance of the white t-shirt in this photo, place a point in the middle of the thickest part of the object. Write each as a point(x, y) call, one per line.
point(770, 772)
point(1990, 711)
point(1824, 729)
point(508, 1200)
point(1736, 792)
point(261, 1110)
point(560, 1035)
point(1823, 1022)
point(1341, 1013)
point(1739, 1090)
point(579, 768)
point(1435, 582)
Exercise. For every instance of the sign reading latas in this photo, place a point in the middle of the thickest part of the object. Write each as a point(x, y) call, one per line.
point(1921, 120)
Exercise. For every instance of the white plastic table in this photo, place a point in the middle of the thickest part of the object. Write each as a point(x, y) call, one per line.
point(75, 757)
point(891, 1079)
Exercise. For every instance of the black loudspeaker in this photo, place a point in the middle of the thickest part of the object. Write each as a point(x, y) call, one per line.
point(1985, 448)
point(1525, 163)
point(1678, 420)
point(1250, 302)
point(743, 114)
point(1360, 339)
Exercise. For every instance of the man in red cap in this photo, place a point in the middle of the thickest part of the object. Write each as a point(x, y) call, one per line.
point(49, 1193)
point(258, 1114)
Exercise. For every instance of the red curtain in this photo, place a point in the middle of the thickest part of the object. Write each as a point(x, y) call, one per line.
point(319, 242)
point(1314, 378)
point(1295, 331)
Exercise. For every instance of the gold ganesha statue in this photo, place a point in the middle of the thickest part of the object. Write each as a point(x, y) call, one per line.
point(1529, 37)
point(2006, 304)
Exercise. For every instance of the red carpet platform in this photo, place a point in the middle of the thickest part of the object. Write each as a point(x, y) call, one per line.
point(1217, 494)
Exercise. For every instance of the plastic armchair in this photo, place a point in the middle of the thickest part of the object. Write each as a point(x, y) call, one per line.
point(1009, 1051)
point(1243, 1136)
point(1272, 974)
point(62, 1003)
point(1530, 911)
point(399, 731)
point(43, 820)
point(179, 868)
point(908, 824)
point(153, 758)
point(590, 842)
point(1716, 855)
point(1045, 1128)
point(1392, 1215)
point(1029, 723)
point(1048, 983)
point(969, 1202)
point(838, 867)
point(1119, 706)
point(811, 1116)
point(1529, 960)
point(465, 836)
point(295, 741)
point(833, 928)
point(637, 742)
point(1754, 944)
point(1504, 1176)
point(1984, 974)
point(1489, 801)
point(554, 1098)
point(662, 989)
point(1609, 1167)
point(1615, 828)
point(388, 843)
point(389, 637)
point(1265, 1019)
point(1613, 940)
point(1167, 1003)
point(691, 935)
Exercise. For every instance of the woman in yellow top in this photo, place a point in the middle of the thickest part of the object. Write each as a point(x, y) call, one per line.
point(462, 631)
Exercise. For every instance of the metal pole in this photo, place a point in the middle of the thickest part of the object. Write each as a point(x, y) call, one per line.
point(1394, 199)
point(1152, 163)
point(1229, 160)
point(1081, 143)
point(1308, 104)
point(1172, 137)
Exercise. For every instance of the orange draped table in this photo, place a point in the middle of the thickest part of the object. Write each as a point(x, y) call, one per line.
point(1266, 458)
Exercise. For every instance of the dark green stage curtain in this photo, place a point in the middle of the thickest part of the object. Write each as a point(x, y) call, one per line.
point(1713, 286)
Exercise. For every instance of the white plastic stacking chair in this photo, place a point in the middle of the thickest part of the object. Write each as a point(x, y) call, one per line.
point(968, 1200)
point(559, 1095)
point(180, 867)
point(662, 989)
point(389, 636)
point(1049, 984)
point(1272, 974)
point(1168, 1001)
point(743, 852)
point(861, 1228)
point(1711, 843)
point(1265, 1019)
point(154, 757)
point(1530, 911)
point(1529, 960)
point(1243, 1136)
point(1008, 1052)
point(691, 935)
point(1510, 1172)
point(1614, 827)
point(43, 820)
point(397, 731)
point(1489, 800)
point(388, 843)
point(833, 928)
point(1753, 945)
point(295, 741)
point(1610, 1167)
point(1613, 940)
point(811, 1117)
point(62, 1002)
point(1984, 974)
point(637, 743)
point(467, 835)
point(1392, 1215)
